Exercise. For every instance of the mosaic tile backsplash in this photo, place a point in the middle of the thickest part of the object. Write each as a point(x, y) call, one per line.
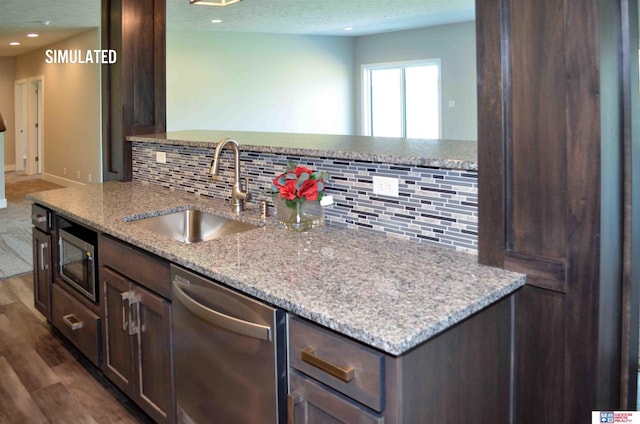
point(435, 206)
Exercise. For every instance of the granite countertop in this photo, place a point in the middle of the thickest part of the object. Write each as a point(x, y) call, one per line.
point(451, 154)
point(387, 293)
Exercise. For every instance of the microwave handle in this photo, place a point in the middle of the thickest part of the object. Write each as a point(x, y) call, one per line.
point(60, 254)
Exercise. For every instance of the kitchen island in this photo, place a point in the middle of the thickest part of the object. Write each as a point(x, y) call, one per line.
point(390, 318)
point(387, 293)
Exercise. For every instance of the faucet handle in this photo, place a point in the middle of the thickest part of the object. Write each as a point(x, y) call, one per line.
point(245, 189)
point(264, 210)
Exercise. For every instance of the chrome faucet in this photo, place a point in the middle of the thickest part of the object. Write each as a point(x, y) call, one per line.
point(238, 196)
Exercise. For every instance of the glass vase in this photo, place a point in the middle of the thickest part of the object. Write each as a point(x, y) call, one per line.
point(298, 216)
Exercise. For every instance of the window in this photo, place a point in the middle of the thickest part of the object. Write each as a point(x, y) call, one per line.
point(402, 99)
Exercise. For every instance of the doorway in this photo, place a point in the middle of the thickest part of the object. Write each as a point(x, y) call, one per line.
point(20, 128)
point(29, 125)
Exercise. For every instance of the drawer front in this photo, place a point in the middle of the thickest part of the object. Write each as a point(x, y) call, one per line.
point(349, 367)
point(311, 402)
point(76, 323)
point(41, 218)
point(137, 265)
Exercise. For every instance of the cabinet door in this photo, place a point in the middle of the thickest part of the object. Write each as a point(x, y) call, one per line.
point(42, 272)
point(117, 343)
point(310, 402)
point(153, 353)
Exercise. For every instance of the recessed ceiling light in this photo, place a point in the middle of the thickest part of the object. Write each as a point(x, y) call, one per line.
point(348, 29)
point(216, 21)
point(32, 35)
point(214, 3)
point(14, 43)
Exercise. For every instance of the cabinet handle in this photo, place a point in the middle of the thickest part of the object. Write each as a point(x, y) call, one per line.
point(73, 322)
point(134, 322)
point(309, 356)
point(124, 296)
point(292, 400)
point(44, 265)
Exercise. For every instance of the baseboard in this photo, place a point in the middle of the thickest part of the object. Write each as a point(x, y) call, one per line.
point(3, 203)
point(10, 168)
point(61, 181)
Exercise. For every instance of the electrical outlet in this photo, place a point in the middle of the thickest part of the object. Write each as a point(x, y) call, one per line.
point(78, 174)
point(64, 171)
point(385, 186)
point(161, 157)
point(89, 177)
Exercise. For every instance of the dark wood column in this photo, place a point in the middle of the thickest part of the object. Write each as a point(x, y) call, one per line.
point(133, 89)
point(551, 137)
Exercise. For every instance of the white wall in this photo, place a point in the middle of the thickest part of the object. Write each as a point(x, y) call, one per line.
point(455, 45)
point(307, 84)
point(72, 117)
point(259, 82)
point(3, 199)
point(7, 71)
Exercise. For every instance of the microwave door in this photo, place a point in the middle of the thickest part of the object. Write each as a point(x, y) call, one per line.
point(76, 265)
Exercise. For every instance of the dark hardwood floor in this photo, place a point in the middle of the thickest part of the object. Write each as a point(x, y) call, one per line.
point(42, 379)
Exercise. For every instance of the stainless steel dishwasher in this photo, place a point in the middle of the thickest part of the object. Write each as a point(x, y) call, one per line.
point(230, 357)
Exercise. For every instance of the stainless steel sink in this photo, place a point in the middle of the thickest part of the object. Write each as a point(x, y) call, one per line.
point(192, 226)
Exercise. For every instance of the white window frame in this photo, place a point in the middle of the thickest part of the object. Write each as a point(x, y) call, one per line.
point(366, 90)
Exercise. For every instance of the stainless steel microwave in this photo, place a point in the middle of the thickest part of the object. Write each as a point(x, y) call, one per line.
point(76, 263)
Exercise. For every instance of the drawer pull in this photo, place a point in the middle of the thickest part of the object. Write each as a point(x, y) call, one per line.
point(37, 218)
point(73, 322)
point(308, 355)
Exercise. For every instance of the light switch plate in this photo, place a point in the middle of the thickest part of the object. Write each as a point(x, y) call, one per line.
point(385, 186)
point(161, 157)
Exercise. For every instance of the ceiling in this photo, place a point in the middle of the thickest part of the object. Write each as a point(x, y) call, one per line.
point(320, 17)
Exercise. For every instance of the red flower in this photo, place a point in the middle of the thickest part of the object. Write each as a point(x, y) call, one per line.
point(278, 178)
point(311, 185)
point(288, 191)
point(308, 190)
point(299, 170)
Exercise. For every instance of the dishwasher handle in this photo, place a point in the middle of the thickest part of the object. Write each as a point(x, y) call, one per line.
point(235, 325)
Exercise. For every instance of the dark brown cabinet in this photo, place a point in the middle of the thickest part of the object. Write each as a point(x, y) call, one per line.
point(42, 275)
point(459, 376)
point(133, 88)
point(557, 154)
point(137, 355)
point(333, 379)
point(311, 402)
point(43, 261)
point(76, 322)
point(118, 352)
